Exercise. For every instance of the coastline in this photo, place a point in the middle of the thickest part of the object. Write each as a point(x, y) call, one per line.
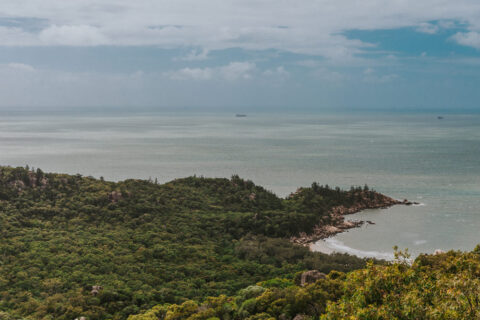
point(332, 245)
point(337, 222)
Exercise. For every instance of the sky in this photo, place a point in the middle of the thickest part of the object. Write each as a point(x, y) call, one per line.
point(241, 54)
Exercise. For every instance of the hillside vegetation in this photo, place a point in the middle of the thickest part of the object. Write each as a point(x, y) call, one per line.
point(74, 246)
point(443, 286)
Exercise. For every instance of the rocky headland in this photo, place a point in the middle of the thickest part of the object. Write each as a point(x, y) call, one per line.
point(336, 222)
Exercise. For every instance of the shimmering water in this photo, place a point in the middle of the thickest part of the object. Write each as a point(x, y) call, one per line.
point(415, 156)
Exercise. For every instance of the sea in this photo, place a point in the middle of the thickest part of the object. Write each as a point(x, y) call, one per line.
point(423, 157)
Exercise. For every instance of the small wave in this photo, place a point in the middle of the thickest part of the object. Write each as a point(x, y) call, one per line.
point(419, 242)
point(339, 246)
point(419, 204)
point(414, 203)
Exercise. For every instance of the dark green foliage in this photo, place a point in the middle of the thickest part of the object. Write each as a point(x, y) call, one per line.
point(146, 243)
point(278, 252)
point(319, 199)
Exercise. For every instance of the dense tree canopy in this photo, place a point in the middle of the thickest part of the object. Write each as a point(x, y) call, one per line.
point(442, 286)
point(144, 244)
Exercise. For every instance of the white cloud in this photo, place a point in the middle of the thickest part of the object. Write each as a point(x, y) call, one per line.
point(195, 55)
point(230, 72)
point(76, 35)
point(279, 73)
point(237, 70)
point(17, 37)
point(470, 39)
point(429, 28)
point(371, 75)
point(447, 24)
point(315, 27)
point(192, 74)
point(20, 67)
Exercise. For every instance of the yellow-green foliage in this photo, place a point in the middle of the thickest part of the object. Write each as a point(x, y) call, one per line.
point(258, 302)
point(444, 287)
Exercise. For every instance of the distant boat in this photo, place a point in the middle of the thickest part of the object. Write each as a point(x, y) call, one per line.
point(239, 115)
point(439, 117)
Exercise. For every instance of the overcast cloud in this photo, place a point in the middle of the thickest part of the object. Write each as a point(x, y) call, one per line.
point(316, 31)
point(310, 26)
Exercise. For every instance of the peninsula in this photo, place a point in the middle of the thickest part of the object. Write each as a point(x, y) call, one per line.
point(75, 246)
point(334, 221)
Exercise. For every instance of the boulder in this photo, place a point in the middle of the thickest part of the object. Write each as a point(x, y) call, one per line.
point(311, 277)
point(332, 229)
point(115, 196)
point(96, 290)
point(18, 184)
point(348, 224)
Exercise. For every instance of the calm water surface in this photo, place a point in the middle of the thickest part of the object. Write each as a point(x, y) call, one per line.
point(419, 157)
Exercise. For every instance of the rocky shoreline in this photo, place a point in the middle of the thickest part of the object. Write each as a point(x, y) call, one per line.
point(337, 223)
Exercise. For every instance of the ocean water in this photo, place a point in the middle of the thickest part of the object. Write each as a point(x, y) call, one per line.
point(414, 156)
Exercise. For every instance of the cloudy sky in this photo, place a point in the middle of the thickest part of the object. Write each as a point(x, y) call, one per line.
point(234, 54)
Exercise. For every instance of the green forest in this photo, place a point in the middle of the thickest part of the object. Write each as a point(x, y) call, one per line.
point(75, 247)
point(444, 286)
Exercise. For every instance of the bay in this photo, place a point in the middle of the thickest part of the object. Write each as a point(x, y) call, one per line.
point(416, 156)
